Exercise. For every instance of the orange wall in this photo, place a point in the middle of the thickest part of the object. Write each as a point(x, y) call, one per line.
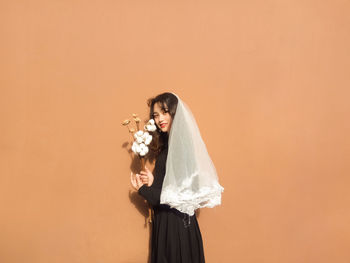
point(268, 82)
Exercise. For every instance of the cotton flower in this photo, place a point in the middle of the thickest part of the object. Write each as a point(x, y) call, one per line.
point(143, 149)
point(139, 136)
point(142, 139)
point(145, 135)
point(148, 140)
point(136, 148)
point(150, 126)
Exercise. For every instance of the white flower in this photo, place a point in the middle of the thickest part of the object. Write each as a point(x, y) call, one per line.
point(142, 139)
point(150, 126)
point(140, 136)
point(148, 140)
point(143, 149)
point(144, 152)
point(135, 148)
point(145, 135)
point(139, 139)
point(142, 146)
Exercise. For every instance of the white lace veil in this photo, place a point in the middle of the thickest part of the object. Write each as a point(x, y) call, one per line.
point(190, 180)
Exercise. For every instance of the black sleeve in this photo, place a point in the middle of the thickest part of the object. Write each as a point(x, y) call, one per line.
point(151, 194)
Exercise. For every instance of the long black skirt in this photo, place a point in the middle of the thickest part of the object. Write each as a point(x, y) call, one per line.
point(176, 237)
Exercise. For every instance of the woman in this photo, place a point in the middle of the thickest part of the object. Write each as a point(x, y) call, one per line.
point(184, 180)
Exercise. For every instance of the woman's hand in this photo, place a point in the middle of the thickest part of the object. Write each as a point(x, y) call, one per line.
point(146, 177)
point(135, 181)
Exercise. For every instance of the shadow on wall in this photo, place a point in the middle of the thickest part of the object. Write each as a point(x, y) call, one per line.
point(137, 200)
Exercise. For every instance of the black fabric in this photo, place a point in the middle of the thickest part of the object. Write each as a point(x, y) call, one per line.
point(176, 237)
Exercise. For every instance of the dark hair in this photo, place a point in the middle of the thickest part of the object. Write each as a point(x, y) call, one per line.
point(167, 101)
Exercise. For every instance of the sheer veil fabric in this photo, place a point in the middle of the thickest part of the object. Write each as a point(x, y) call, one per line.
point(191, 180)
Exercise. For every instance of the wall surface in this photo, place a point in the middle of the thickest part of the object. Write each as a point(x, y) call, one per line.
point(268, 82)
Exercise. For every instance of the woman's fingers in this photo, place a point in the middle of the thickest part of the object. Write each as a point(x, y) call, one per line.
point(147, 176)
point(138, 180)
point(144, 179)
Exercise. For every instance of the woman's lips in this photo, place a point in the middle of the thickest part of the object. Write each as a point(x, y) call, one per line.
point(163, 125)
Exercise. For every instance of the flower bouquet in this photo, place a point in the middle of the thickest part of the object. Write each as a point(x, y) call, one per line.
point(142, 138)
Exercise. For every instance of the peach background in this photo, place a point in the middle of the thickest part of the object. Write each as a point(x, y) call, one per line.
point(268, 82)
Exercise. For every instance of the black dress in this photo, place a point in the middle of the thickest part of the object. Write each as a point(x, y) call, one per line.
point(176, 237)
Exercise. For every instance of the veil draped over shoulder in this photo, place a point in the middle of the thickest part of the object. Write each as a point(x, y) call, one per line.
point(190, 180)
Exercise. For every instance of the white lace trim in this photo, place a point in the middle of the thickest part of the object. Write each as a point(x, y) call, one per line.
point(187, 201)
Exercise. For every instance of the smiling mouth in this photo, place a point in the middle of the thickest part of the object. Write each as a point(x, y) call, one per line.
point(163, 125)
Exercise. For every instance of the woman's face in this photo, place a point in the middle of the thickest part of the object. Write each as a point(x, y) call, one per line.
point(162, 117)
